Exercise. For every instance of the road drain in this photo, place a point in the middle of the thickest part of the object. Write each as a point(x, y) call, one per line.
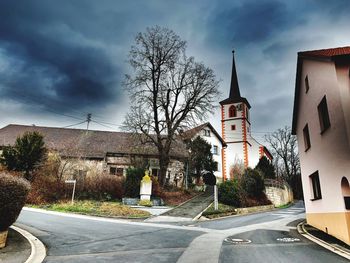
point(288, 239)
point(237, 241)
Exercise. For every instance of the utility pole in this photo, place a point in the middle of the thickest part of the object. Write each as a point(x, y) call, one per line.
point(88, 119)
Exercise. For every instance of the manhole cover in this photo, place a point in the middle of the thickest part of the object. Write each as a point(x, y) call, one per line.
point(288, 239)
point(237, 240)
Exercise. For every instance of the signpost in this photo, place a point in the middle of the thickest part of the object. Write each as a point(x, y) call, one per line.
point(210, 179)
point(216, 202)
point(74, 182)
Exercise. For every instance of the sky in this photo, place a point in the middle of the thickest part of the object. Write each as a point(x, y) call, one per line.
point(60, 60)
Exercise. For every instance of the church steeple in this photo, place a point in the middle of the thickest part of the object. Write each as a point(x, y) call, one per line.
point(235, 94)
point(234, 90)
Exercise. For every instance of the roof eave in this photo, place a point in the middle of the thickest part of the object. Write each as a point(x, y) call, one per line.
point(296, 95)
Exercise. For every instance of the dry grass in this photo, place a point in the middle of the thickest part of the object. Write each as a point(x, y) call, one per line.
point(108, 209)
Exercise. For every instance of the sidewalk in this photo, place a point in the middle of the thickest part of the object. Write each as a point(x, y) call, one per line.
point(188, 211)
point(17, 249)
point(323, 239)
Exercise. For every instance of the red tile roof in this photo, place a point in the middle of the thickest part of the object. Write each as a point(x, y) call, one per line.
point(326, 53)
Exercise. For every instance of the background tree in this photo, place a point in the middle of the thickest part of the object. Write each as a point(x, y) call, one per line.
point(266, 168)
point(201, 157)
point(27, 153)
point(284, 146)
point(168, 90)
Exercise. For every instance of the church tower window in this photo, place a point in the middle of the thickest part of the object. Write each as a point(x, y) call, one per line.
point(232, 112)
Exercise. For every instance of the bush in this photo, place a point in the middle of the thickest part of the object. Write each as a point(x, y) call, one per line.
point(145, 203)
point(156, 189)
point(13, 194)
point(103, 187)
point(133, 181)
point(252, 183)
point(46, 189)
point(230, 193)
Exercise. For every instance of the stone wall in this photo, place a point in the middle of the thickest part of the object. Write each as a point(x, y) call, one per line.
point(279, 195)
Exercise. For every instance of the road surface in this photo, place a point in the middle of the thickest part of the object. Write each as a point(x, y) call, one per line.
point(264, 237)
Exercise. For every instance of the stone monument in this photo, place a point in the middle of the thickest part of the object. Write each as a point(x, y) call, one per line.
point(146, 187)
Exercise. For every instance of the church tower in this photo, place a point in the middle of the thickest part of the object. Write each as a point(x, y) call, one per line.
point(235, 125)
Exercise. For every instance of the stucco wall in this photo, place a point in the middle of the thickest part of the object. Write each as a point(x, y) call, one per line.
point(329, 153)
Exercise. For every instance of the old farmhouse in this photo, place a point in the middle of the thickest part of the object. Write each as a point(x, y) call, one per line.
point(96, 152)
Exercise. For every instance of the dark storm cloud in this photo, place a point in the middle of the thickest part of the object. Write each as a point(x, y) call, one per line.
point(250, 22)
point(52, 57)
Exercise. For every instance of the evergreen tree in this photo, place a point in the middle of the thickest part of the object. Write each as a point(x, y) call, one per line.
point(201, 157)
point(28, 151)
point(266, 168)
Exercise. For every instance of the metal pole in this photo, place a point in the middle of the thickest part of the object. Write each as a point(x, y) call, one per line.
point(73, 191)
point(186, 177)
point(216, 203)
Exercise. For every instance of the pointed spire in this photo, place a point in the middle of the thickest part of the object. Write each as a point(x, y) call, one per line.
point(234, 90)
point(235, 94)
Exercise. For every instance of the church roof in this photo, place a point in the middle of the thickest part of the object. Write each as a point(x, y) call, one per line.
point(235, 94)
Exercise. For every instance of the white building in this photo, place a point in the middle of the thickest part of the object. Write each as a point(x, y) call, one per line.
point(236, 131)
point(208, 133)
point(321, 121)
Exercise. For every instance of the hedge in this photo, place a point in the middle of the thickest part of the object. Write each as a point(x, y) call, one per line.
point(13, 194)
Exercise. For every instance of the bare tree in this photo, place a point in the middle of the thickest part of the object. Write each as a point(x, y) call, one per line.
point(168, 90)
point(286, 160)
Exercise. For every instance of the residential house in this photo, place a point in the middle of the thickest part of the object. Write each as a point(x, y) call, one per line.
point(321, 121)
point(211, 136)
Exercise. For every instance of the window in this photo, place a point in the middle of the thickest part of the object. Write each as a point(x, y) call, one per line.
point(207, 133)
point(233, 127)
point(232, 112)
point(323, 115)
point(307, 87)
point(116, 171)
point(215, 150)
point(112, 170)
point(306, 134)
point(316, 187)
point(120, 172)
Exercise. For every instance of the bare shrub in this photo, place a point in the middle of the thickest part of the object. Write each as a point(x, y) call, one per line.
point(13, 194)
point(103, 187)
point(46, 189)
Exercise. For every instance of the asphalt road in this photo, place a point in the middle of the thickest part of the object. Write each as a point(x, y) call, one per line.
point(264, 237)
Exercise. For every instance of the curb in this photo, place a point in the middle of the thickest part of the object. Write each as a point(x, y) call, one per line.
point(243, 214)
point(38, 250)
point(302, 231)
point(200, 214)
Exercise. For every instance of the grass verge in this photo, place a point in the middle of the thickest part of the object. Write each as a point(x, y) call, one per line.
point(284, 206)
point(107, 209)
point(223, 210)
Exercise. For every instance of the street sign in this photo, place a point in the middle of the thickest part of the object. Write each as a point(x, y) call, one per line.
point(74, 183)
point(70, 181)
